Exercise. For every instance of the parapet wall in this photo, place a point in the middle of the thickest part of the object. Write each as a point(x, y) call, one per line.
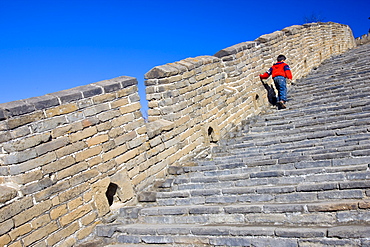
point(66, 158)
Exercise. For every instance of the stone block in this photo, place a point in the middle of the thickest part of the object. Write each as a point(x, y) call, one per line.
point(128, 239)
point(364, 204)
point(301, 232)
point(70, 193)
point(17, 108)
point(58, 165)
point(6, 226)
point(40, 233)
point(75, 215)
point(20, 231)
point(19, 157)
point(52, 145)
point(58, 211)
point(40, 221)
point(48, 124)
point(61, 110)
point(88, 153)
point(108, 115)
point(7, 193)
point(147, 197)
point(88, 132)
point(72, 170)
point(43, 102)
point(25, 143)
point(31, 213)
point(5, 239)
point(130, 108)
point(51, 191)
point(23, 120)
point(349, 232)
point(62, 234)
point(70, 149)
point(31, 164)
point(36, 186)
point(343, 194)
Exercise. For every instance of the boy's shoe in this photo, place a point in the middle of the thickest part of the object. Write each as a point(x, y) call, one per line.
point(281, 105)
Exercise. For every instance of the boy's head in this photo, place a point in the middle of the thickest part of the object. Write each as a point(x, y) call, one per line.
point(281, 58)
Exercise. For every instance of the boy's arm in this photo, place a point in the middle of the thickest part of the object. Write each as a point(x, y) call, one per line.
point(266, 74)
point(288, 73)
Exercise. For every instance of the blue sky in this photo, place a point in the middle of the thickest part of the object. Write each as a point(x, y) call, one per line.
point(48, 46)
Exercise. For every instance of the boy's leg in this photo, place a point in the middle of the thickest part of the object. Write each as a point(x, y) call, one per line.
point(280, 83)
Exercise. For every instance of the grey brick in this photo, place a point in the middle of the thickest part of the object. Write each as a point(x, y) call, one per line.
point(243, 209)
point(354, 217)
point(157, 239)
point(283, 208)
point(205, 210)
point(301, 232)
point(317, 187)
point(2, 114)
point(327, 242)
point(253, 231)
point(106, 230)
point(349, 232)
point(358, 175)
point(297, 197)
point(109, 85)
point(238, 190)
point(173, 211)
point(276, 189)
point(267, 174)
point(16, 108)
point(67, 96)
point(90, 90)
point(221, 199)
point(208, 192)
point(345, 194)
point(214, 231)
point(43, 102)
point(128, 239)
point(257, 242)
point(36, 186)
point(19, 157)
point(354, 184)
point(129, 212)
point(174, 230)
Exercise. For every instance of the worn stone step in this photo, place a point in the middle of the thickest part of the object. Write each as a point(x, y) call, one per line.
point(219, 235)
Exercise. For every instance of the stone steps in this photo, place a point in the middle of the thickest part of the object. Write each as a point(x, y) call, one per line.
point(216, 235)
point(294, 177)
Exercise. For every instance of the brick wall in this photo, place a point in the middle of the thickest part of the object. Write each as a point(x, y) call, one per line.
point(66, 157)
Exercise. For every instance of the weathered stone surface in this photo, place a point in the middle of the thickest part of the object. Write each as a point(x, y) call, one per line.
point(7, 193)
point(147, 197)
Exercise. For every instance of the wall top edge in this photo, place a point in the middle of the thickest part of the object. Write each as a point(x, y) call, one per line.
point(179, 67)
point(236, 48)
point(26, 106)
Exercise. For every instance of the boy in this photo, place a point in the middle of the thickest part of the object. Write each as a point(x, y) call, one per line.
point(279, 72)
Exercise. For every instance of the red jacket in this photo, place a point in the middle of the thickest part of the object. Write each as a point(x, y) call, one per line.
point(279, 68)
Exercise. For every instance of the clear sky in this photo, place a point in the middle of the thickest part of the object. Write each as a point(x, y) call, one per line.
point(51, 45)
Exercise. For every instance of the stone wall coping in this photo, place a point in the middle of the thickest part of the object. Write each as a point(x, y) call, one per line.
point(26, 106)
point(178, 67)
point(236, 48)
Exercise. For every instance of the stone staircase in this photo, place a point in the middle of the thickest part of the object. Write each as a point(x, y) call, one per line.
point(294, 177)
